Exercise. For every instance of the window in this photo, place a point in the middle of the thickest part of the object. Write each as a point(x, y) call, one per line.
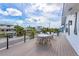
point(2, 30)
point(75, 25)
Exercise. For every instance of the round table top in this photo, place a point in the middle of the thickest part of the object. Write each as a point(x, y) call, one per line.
point(43, 35)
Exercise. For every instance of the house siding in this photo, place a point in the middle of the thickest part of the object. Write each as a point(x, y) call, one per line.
point(73, 38)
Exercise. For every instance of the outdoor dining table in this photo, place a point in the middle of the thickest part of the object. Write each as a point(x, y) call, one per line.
point(43, 38)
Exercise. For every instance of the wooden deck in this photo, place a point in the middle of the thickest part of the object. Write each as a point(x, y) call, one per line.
point(59, 47)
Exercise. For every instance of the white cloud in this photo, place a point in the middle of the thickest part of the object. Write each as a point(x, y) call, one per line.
point(11, 12)
point(55, 24)
point(44, 21)
point(48, 15)
point(3, 12)
point(46, 7)
point(12, 22)
point(14, 12)
point(7, 21)
point(19, 22)
point(40, 19)
point(30, 20)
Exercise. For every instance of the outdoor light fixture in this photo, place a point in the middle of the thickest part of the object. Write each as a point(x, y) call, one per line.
point(70, 9)
point(70, 22)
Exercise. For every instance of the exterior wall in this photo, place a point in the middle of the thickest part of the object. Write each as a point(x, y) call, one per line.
point(7, 29)
point(72, 38)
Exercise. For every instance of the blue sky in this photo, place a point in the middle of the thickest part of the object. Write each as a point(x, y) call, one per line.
point(33, 14)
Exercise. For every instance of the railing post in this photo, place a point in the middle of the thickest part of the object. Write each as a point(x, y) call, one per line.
point(7, 41)
point(24, 36)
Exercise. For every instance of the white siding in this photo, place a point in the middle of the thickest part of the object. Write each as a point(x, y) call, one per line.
point(73, 39)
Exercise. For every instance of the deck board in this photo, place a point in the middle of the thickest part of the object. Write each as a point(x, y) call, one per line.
point(59, 47)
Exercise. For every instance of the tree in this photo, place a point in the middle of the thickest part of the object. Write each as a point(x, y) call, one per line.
point(31, 31)
point(19, 30)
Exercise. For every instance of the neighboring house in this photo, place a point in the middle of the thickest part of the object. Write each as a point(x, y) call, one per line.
point(70, 20)
point(7, 29)
point(38, 28)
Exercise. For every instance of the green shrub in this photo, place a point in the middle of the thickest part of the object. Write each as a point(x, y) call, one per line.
point(2, 35)
point(45, 30)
